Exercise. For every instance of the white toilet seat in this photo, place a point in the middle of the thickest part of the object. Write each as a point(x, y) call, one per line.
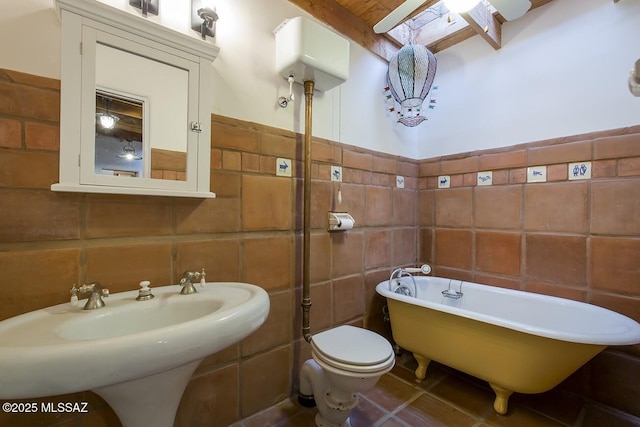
point(353, 349)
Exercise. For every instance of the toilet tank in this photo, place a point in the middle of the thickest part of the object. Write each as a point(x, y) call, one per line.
point(310, 51)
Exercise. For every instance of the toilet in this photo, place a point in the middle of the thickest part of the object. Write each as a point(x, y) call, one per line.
point(346, 360)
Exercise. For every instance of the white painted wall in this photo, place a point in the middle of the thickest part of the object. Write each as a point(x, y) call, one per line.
point(30, 37)
point(246, 85)
point(562, 70)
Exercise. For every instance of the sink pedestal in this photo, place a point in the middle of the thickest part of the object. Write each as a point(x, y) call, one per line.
point(149, 401)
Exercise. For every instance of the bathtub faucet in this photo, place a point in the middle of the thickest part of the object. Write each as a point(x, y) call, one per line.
point(401, 272)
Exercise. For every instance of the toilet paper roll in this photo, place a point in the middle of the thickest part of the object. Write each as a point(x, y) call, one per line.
point(339, 221)
point(346, 224)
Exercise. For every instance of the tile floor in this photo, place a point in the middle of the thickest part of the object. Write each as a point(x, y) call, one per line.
point(448, 398)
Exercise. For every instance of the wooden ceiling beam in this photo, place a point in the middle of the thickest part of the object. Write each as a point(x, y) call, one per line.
point(436, 36)
point(480, 19)
point(451, 40)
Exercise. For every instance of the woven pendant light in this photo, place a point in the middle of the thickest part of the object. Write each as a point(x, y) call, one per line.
point(410, 76)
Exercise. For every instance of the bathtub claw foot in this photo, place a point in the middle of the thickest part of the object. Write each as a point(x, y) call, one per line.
point(423, 363)
point(502, 399)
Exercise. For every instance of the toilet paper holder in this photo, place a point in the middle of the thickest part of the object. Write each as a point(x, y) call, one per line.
point(340, 221)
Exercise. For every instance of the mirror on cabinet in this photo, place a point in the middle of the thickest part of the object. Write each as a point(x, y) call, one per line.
point(119, 146)
point(135, 105)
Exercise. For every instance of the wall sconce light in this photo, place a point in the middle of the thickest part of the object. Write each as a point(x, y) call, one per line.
point(634, 79)
point(128, 152)
point(107, 120)
point(146, 6)
point(203, 18)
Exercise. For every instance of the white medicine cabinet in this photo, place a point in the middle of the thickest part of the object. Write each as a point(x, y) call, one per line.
point(135, 105)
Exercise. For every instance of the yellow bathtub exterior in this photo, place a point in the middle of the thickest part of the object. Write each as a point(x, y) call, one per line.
point(511, 361)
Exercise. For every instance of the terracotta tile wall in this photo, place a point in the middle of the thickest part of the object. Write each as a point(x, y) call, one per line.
point(573, 239)
point(251, 232)
point(168, 164)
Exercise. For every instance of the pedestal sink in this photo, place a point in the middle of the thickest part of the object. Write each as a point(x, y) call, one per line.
point(137, 355)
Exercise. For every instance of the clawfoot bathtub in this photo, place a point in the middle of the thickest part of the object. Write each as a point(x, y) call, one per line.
point(516, 341)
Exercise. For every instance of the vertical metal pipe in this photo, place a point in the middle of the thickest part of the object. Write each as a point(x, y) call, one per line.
point(306, 291)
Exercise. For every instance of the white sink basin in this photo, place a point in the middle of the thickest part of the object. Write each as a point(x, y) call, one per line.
point(130, 319)
point(64, 349)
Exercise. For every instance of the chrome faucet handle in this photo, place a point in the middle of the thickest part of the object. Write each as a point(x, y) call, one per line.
point(144, 293)
point(187, 284)
point(95, 299)
point(202, 278)
point(189, 276)
point(74, 295)
point(94, 288)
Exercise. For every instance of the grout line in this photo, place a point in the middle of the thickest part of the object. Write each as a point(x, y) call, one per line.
point(390, 414)
point(408, 402)
point(581, 415)
point(417, 387)
point(389, 417)
point(479, 418)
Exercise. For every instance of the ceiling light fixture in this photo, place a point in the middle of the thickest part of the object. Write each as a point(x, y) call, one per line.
point(107, 120)
point(460, 6)
point(410, 77)
point(128, 152)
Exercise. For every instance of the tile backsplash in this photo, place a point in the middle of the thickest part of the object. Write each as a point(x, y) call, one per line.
point(562, 238)
point(573, 238)
point(251, 232)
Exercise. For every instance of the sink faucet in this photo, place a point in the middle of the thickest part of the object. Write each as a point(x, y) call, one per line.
point(187, 281)
point(95, 299)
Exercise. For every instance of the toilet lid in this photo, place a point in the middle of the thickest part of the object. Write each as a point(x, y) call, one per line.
point(354, 346)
